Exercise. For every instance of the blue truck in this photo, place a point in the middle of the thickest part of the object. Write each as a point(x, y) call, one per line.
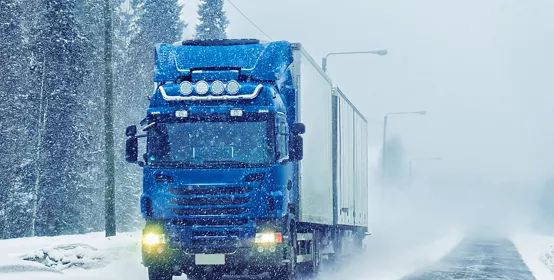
point(255, 162)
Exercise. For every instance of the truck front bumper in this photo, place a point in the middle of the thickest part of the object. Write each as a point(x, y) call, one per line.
point(255, 259)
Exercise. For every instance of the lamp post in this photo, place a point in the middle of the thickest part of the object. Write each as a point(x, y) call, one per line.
point(410, 164)
point(324, 59)
point(385, 120)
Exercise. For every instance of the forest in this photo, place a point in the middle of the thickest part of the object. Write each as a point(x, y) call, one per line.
point(52, 91)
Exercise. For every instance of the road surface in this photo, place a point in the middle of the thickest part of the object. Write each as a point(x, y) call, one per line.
point(478, 259)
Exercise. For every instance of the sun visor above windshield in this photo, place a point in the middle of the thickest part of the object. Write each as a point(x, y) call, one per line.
point(260, 62)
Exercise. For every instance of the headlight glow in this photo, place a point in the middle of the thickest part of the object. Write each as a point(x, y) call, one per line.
point(268, 237)
point(151, 239)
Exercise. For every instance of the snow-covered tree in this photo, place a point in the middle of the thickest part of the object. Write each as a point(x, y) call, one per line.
point(213, 21)
point(16, 153)
point(51, 57)
point(90, 21)
point(140, 28)
point(58, 49)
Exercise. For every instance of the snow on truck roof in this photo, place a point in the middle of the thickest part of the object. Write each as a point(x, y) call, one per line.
point(254, 59)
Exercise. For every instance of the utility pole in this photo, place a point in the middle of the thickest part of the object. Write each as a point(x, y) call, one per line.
point(109, 152)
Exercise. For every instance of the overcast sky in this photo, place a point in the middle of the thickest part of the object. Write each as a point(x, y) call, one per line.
point(483, 69)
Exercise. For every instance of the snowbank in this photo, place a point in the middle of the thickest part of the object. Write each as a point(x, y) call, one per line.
point(75, 257)
point(537, 252)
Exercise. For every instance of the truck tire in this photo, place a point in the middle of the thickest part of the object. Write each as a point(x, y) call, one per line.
point(156, 273)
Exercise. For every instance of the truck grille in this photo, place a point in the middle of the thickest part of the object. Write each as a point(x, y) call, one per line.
point(209, 201)
point(226, 233)
point(211, 215)
point(214, 241)
point(209, 211)
point(209, 191)
point(210, 222)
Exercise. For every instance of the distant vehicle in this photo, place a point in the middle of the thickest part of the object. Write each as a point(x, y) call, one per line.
point(255, 162)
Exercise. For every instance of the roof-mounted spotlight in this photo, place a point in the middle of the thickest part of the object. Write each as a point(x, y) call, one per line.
point(218, 87)
point(185, 88)
point(233, 87)
point(202, 87)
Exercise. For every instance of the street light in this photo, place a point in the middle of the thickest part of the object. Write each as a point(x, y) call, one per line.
point(324, 59)
point(384, 156)
point(418, 159)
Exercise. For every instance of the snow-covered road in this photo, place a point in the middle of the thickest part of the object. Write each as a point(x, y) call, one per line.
point(482, 259)
point(93, 257)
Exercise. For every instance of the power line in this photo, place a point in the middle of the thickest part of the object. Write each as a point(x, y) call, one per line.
point(249, 20)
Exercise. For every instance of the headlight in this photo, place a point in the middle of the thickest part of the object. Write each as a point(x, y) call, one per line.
point(268, 237)
point(151, 239)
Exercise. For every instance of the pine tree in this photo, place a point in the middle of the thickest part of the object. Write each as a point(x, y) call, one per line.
point(59, 48)
point(213, 21)
point(134, 82)
point(89, 15)
point(15, 155)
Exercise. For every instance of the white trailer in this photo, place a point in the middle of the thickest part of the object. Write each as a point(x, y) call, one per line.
point(333, 175)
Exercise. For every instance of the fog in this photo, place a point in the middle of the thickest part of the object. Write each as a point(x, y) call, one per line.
point(481, 69)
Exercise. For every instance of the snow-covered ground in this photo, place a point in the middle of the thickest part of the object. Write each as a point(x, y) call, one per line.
point(388, 256)
point(76, 257)
point(537, 252)
point(93, 257)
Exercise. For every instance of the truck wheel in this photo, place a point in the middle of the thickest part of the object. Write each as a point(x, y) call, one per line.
point(156, 273)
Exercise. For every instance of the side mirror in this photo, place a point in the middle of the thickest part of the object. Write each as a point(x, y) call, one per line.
point(131, 149)
point(296, 147)
point(298, 128)
point(131, 131)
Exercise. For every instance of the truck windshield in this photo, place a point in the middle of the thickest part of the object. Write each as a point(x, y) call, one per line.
point(210, 144)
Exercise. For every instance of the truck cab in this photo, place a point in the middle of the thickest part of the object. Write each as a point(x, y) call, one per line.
point(222, 146)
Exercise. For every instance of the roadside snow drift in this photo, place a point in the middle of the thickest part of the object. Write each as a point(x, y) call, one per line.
point(76, 257)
